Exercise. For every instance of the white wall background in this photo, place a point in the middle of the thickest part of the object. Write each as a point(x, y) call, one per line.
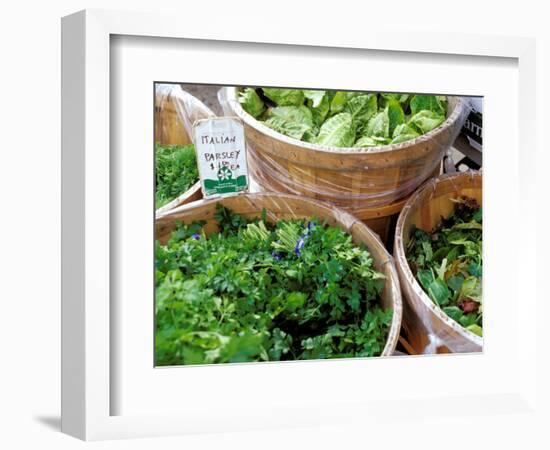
point(30, 192)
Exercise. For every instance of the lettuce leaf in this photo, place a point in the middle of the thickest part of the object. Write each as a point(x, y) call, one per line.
point(425, 121)
point(285, 97)
point(427, 102)
point(338, 131)
point(316, 97)
point(299, 114)
point(379, 125)
point(401, 98)
point(371, 141)
point(292, 129)
point(402, 133)
point(251, 102)
point(338, 102)
point(396, 116)
point(362, 108)
point(319, 104)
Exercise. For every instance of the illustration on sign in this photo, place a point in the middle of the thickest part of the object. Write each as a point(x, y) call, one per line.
point(221, 155)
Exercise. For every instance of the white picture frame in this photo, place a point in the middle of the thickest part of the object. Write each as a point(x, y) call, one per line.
point(87, 178)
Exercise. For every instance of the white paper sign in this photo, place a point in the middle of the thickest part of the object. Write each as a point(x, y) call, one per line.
point(221, 156)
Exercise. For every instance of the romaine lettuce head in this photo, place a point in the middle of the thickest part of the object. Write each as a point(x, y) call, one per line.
point(346, 119)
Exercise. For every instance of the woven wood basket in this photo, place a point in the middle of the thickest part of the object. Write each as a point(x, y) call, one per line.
point(282, 206)
point(428, 328)
point(358, 181)
point(175, 113)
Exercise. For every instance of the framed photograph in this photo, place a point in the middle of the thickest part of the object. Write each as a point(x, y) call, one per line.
point(264, 232)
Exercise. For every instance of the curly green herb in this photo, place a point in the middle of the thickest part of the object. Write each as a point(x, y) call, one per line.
point(260, 292)
point(176, 171)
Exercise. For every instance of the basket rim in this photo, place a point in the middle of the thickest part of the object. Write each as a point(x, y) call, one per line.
point(348, 221)
point(401, 257)
point(234, 104)
point(180, 199)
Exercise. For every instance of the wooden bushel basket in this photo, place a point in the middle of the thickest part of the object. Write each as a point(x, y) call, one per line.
point(428, 328)
point(170, 129)
point(370, 184)
point(282, 206)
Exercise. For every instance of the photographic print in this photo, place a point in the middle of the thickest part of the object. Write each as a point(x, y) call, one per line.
point(308, 224)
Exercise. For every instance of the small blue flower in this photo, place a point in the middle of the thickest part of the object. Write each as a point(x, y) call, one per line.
point(310, 226)
point(276, 256)
point(196, 236)
point(299, 246)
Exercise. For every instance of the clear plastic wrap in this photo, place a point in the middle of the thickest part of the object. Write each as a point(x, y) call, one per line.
point(175, 113)
point(421, 314)
point(351, 178)
point(173, 104)
point(283, 206)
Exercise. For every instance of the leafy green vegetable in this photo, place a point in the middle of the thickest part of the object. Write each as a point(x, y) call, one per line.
point(316, 97)
point(401, 98)
point(362, 107)
point(425, 121)
point(379, 125)
point(261, 292)
point(403, 132)
point(251, 102)
point(300, 114)
point(428, 102)
point(368, 141)
point(319, 104)
point(448, 264)
point(285, 97)
point(175, 170)
point(295, 130)
point(377, 119)
point(396, 116)
point(338, 131)
point(338, 101)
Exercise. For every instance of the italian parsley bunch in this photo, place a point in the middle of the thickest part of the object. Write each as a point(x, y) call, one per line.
point(176, 171)
point(260, 292)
